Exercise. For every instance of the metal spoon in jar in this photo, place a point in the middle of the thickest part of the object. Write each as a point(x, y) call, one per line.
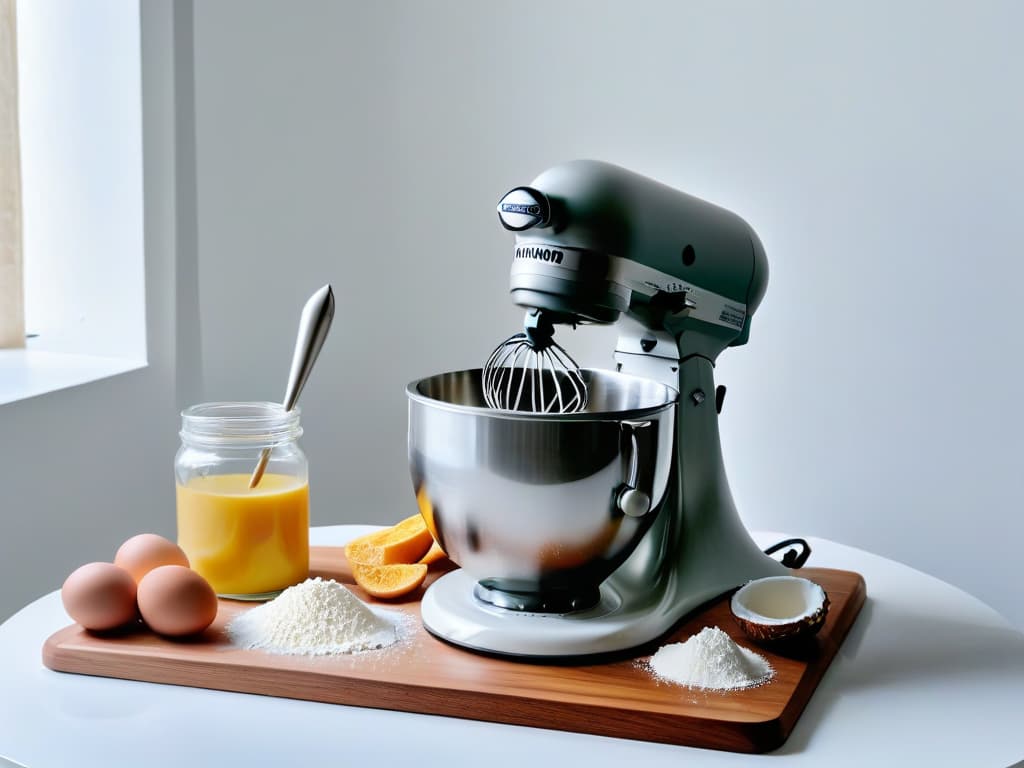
point(313, 327)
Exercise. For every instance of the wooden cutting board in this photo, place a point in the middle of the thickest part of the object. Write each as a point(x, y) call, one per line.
point(423, 674)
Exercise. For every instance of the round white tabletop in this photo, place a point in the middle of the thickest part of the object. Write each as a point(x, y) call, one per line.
point(928, 676)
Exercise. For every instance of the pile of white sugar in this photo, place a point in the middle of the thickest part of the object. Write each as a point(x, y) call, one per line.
point(317, 617)
point(711, 660)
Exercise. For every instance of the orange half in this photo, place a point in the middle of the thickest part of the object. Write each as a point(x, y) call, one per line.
point(405, 542)
point(389, 581)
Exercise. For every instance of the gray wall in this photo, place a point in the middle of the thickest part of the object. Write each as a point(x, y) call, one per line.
point(874, 146)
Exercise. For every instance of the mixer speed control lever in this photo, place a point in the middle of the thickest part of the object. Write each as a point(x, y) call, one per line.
point(630, 500)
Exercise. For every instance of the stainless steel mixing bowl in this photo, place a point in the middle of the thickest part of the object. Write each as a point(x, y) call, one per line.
point(540, 508)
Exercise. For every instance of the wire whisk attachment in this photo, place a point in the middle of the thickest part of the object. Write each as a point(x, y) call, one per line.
point(531, 372)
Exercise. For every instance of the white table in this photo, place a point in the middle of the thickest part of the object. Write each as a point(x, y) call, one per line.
point(928, 676)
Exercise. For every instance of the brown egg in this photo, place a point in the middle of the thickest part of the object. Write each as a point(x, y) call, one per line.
point(176, 601)
point(100, 596)
point(141, 554)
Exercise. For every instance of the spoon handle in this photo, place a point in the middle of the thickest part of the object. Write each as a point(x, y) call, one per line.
point(313, 327)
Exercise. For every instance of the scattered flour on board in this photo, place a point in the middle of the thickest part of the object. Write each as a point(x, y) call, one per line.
point(317, 617)
point(712, 661)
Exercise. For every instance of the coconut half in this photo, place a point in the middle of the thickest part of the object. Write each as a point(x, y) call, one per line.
point(780, 608)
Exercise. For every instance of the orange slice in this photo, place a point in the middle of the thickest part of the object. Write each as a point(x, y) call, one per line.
point(389, 581)
point(434, 554)
point(405, 542)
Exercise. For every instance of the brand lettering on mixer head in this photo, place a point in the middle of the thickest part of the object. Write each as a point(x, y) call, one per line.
point(533, 210)
point(540, 254)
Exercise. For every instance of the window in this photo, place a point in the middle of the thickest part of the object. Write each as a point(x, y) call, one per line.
point(12, 318)
point(79, 107)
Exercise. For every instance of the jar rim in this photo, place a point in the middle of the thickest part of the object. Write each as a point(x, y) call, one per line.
point(240, 423)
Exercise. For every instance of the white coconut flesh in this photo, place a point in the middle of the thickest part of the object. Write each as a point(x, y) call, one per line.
point(777, 600)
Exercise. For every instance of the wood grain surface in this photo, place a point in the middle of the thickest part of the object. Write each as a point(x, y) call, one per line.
point(612, 697)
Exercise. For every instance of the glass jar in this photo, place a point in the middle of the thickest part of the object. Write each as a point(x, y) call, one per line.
point(249, 543)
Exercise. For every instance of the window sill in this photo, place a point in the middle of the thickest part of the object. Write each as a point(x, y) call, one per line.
point(26, 373)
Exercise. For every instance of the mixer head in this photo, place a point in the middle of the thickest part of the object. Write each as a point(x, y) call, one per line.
point(594, 241)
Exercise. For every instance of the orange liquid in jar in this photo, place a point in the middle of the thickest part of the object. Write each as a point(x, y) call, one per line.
point(245, 541)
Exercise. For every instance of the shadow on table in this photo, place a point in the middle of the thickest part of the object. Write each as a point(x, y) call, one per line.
point(931, 648)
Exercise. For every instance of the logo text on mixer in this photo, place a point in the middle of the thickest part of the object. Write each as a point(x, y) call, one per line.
point(552, 255)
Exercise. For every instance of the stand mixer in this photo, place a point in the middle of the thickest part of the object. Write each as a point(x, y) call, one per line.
point(597, 527)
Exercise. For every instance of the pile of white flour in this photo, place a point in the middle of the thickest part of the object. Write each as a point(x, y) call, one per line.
point(317, 617)
point(711, 660)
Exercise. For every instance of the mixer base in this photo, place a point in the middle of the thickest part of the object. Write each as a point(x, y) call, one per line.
point(451, 612)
